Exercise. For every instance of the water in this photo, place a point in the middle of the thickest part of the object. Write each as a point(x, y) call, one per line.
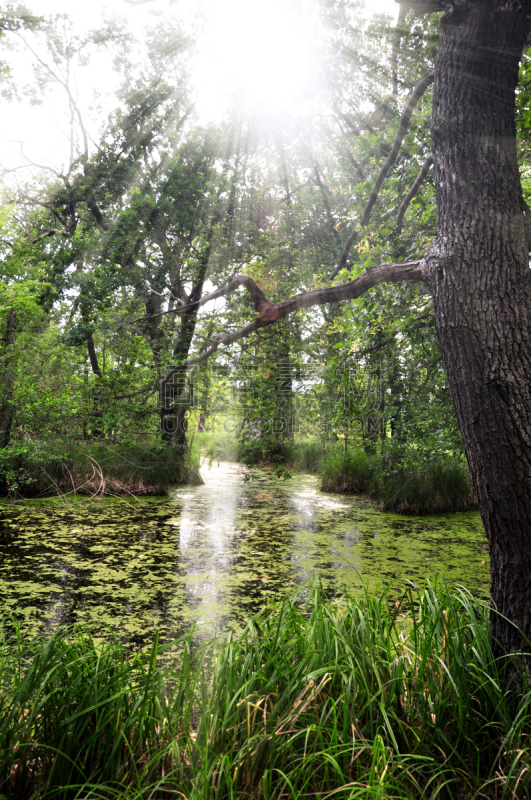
point(212, 554)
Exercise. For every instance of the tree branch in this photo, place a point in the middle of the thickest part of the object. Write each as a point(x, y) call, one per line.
point(96, 213)
point(412, 271)
point(261, 304)
point(419, 90)
point(419, 180)
point(423, 6)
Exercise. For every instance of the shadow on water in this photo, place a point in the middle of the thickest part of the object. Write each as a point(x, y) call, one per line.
point(215, 553)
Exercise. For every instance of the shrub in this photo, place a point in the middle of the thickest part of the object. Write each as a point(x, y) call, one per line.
point(95, 468)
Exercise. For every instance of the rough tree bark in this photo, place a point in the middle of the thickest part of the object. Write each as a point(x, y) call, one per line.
point(478, 273)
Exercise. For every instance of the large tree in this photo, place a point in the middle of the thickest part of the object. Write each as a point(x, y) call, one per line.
point(478, 274)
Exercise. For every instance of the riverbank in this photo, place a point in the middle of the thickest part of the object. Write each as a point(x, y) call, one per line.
point(441, 486)
point(97, 469)
point(366, 697)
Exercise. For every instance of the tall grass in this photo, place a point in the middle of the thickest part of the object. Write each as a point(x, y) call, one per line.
point(95, 468)
point(306, 455)
point(352, 472)
point(433, 488)
point(366, 697)
point(218, 445)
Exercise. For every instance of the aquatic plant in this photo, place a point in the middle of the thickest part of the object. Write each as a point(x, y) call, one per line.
point(363, 697)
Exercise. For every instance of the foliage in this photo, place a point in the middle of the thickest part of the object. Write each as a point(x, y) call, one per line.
point(350, 698)
point(436, 487)
point(218, 446)
point(44, 467)
point(100, 258)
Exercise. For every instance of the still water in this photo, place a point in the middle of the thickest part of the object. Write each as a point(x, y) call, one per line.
point(212, 554)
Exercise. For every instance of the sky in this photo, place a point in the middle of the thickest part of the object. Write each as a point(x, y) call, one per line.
point(263, 49)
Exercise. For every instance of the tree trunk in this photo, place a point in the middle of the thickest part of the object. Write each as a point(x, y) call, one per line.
point(7, 408)
point(97, 412)
point(173, 397)
point(479, 277)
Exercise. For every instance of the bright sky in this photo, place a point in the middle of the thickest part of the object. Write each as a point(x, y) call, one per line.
point(264, 50)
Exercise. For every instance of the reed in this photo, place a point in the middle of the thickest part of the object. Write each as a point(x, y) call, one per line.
point(307, 455)
point(47, 468)
point(373, 697)
point(434, 488)
point(352, 472)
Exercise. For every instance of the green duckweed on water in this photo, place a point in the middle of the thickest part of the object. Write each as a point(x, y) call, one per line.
point(211, 555)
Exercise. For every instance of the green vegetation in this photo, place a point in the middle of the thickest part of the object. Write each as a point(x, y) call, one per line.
point(439, 486)
point(371, 698)
point(434, 488)
point(218, 446)
point(64, 467)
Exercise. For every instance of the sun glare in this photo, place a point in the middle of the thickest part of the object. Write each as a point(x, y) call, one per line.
point(264, 53)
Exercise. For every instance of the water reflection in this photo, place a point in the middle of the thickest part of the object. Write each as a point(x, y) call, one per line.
point(210, 555)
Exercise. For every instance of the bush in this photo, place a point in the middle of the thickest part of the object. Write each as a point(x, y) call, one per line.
point(95, 468)
point(371, 697)
point(267, 449)
point(435, 488)
point(352, 472)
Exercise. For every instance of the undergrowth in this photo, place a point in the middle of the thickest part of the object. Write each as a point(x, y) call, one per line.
point(434, 488)
point(358, 698)
point(47, 468)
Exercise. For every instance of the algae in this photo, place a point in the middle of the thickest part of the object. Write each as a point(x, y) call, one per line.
point(212, 554)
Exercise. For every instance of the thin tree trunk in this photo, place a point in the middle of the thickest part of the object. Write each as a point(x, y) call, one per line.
point(97, 412)
point(174, 402)
point(7, 407)
point(479, 277)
